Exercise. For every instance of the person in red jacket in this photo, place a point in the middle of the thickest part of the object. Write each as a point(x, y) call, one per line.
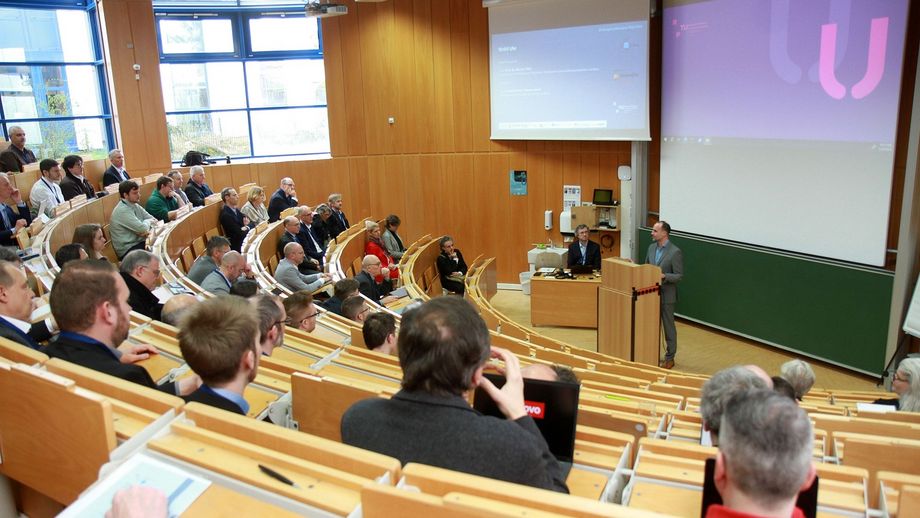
point(375, 247)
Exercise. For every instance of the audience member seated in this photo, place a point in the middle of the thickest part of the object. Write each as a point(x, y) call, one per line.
point(451, 266)
point(906, 384)
point(764, 459)
point(220, 280)
point(141, 271)
point(176, 175)
point(300, 311)
point(783, 387)
point(391, 239)
point(46, 193)
point(311, 246)
point(342, 289)
point(288, 275)
point(69, 252)
point(246, 288)
point(15, 305)
point(355, 309)
point(74, 183)
point(234, 222)
point(800, 375)
point(115, 173)
point(197, 190)
point(378, 292)
point(723, 385)
point(92, 238)
point(130, 224)
point(254, 208)
point(176, 307)
point(89, 301)
point(583, 251)
point(337, 222)
point(374, 246)
point(39, 331)
point(541, 371)
point(321, 230)
point(270, 311)
point(284, 198)
point(214, 251)
point(219, 339)
point(443, 348)
point(379, 332)
point(17, 155)
point(163, 202)
point(12, 220)
point(291, 234)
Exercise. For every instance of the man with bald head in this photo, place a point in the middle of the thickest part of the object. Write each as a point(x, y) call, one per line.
point(288, 275)
point(291, 234)
point(284, 198)
point(219, 281)
point(367, 284)
point(175, 307)
point(313, 248)
point(17, 155)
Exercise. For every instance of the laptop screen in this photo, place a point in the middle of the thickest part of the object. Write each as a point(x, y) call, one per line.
point(553, 406)
point(603, 197)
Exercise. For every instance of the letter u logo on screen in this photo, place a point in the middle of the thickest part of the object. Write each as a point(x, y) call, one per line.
point(534, 409)
point(875, 66)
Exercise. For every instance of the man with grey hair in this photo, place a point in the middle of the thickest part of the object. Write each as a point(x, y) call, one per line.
point(288, 275)
point(234, 222)
point(219, 281)
point(800, 375)
point(141, 271)
point(284, 198)
point(209, 261)
point(196, 190)
point(270, 312)
point(337, 223)
point(722, 386)
point(116, 172)
point(176, 175)
point(311, 246)
point(175, 307)
point(13, 158)
point(764, 459)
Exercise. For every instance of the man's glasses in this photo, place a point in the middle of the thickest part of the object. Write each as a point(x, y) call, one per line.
point(298, 323)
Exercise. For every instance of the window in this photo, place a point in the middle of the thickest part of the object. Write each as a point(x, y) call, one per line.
point(242, 83)
point(52, 81)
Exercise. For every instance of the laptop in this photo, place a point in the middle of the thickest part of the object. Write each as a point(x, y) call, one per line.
point(553, 406)
point(581, 269)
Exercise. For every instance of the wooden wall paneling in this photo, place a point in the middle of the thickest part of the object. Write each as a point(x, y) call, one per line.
point(433, 193)
point(375, 22)
point(491, 215)
point(552, 191)
point(536, 202)
point(479, 75)
point(571, 172)
point(554, 145)
point(407, 129)
point(338, 182)
point(309, 181)
point(423, 117)
point(379, 200)
point(391, 188)
point(95, 213)
point(353, 86)
point(523, 223)
point(334, 67)
point(356, 193)
point(591, 177)
point(460, 72)
point(442, 111)
point(152, 109)
point(241, 174)
point(413, 197)
point(268, 175)
point(461, 172)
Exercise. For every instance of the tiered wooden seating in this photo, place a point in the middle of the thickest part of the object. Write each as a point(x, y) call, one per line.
point(899, 494)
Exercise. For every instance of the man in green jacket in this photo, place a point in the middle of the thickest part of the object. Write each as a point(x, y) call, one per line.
point(163, 202)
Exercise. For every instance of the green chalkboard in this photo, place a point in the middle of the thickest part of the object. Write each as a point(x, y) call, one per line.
point(830, 311)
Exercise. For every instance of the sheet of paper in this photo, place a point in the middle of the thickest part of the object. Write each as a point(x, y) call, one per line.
point(873, 407)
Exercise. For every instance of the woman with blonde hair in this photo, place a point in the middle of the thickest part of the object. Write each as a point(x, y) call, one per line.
point(254, 209)
point(374, 246)
point(92, 238)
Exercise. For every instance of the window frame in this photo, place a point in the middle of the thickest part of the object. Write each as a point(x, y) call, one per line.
point(243, 54)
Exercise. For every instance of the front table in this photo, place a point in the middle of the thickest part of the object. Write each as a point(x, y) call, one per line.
point(564, 302)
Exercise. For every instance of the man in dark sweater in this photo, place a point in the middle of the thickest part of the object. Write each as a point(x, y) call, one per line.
point(219, 339)
point(443, 348)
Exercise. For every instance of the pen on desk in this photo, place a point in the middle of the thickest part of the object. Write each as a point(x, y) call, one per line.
point(278, 476)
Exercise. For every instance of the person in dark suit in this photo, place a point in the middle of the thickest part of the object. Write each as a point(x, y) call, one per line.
point(39, 331)
point(321, 225)
point(15, 305)
point(116, 173)
point(443, 348)
point(583, 251)
point(311, 246)
point(89, 301)
point(13, 158)
point(665, 255)
point(367, 284)
point(11, 221)
point(234, 223)
point(219, 340)
point(74, 183)
point(337, 222)
point(292, 234)
point(140, 270)
point(196, 190)
point(284, 198)
point(451, 266)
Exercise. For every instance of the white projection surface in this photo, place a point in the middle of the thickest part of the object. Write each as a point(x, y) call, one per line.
point(779, 121)
point(569, 69)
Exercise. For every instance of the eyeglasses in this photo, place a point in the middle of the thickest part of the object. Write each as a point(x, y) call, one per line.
point(290, 322)
point(898, 377)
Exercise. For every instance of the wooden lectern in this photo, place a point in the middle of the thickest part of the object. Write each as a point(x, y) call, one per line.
point(628, 311)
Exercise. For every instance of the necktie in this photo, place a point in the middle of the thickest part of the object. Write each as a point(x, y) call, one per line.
point(5, 211)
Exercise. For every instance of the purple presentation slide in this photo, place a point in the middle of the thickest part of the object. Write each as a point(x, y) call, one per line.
point(827, 70)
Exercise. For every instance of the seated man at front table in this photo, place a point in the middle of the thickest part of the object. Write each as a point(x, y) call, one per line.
point(451, 266)
point(368, 285)
point(164, 202)
point(89, 302)
point(196, 190)
point(203, 266)
point(11, 220)
point(130, 223)
point(141, 271)
point(290, 277)
point(583, 251)
point(219, 339)
point(284, 198)
point(219, 281)
point(379, 331)
point(443, 348)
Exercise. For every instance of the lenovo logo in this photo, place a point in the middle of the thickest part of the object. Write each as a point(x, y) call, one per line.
point(535, 410)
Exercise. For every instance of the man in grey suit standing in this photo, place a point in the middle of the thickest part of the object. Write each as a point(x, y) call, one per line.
point(665, 255)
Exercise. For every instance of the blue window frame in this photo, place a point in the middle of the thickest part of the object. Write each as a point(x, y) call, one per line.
point(52, 78)
point(242, 82)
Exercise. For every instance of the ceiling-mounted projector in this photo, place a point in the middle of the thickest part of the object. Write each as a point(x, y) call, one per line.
point(319, 10)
